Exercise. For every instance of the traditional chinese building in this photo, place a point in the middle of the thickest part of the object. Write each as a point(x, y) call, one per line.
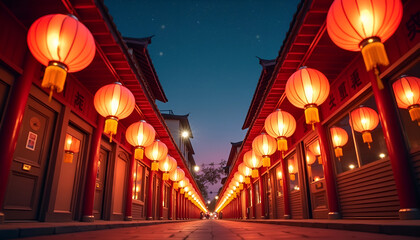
point(376, 179)
point(103, 179)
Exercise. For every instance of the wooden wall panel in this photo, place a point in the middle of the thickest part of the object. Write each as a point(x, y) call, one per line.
point(368, 192)
point(137, 211)
point(416, 168)
point(296, 205)
point(280, 207)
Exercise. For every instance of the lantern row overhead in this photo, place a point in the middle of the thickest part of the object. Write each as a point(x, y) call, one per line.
point(63, 44)
point(354, 25)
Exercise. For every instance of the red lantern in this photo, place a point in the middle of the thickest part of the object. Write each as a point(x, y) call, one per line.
point(253, 161)
point(140, 135)
point(310, 158)
point(292, 167)
point(265, 146)
point(114, 102)
point(71, 146)
point(280, 125)
point(246, 171)
point(166, 165)
point(364, 120)
point(155, 152)
point(176, 175)
point(182, 184)
point(63, 44)
point(240, 179)
point(308, 88)
point(339, 138)
point(316, 150)
point(407, 94)
point(364, 25)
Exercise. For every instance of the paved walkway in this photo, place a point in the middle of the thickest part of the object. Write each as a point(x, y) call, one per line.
point(221, 230)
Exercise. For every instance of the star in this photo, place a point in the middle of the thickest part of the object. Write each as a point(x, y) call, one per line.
point(257, 36)
point(163, 26)
point(160, 53)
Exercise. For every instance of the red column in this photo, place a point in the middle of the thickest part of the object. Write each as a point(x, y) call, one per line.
point(286, 201)
point(171, 202)
point(246, 201)
point(162, 195)
point(240, 205)
point(129, 196)
point(12, 122)
point(397, 150)
point(150, 196)
point(253, 200)
point(262, 194)
point(178, 207)
point(328, 174)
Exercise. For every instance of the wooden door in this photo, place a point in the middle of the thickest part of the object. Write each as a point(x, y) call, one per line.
point(100, 184)
point(26, 179)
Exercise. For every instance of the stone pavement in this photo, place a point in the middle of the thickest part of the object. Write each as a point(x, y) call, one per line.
point(221, 229)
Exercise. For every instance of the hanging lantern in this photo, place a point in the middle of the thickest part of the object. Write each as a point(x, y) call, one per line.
point(176, 175)
point(71, 146)
point(279, 176)
point(166, 165)
point(114, 102)
point(240, 178)
point(364, 120)
point(364, 25)
point(140, 135)
point(407, 94)
point(339, 138)
point(316, 150)
point(252, 161)
point(310, 158)
point(246, 171)
point(264, 145)
point(62, 44)
point(280, 125)
point(155, 152)
point(182, 184)
point(292, 168)
point(308, 88)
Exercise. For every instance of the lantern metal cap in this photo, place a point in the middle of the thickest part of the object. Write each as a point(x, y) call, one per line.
point(303, 67)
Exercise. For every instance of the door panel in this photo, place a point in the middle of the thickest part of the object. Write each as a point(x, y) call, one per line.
point(29, 162)
point(100, 184)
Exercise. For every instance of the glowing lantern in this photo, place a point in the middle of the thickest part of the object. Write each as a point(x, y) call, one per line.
point(292, 168)
point(280, 125)
point(62, 44)
point(265, 146)
point(364, 25)
point(407, 94)
point(364, 120)
point(71, 146)
point(252, 161)
point(308, 88)
point(339, 138)
point(310, 158)
point(246, 171)
point(140, 135)
point(155, 152)
point(316, 150)
point(176, 175)
point(114, 102)
point(166, 165)
point(182, 184)
point(240, 178)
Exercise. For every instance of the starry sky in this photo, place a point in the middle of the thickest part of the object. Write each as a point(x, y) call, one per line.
point(204, 53)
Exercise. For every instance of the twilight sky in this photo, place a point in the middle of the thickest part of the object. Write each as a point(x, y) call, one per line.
point(204, 53)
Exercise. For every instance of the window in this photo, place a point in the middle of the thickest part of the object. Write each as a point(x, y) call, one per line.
point(257, 192)
point(293, 172)
point(138, 191)
point(355, 152)
point(314, 161)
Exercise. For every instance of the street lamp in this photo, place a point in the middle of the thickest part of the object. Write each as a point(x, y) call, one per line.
point(217, 197)
point(196, 168)
point(185, 134)
point(208, 202)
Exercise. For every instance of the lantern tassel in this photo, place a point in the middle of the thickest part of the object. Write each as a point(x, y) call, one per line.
point(266, 161)
point(111, 125)
point(282, 144)
point(374, 53)
point(378, 79)
point(176, 186)
point(241, 186)
point(247, 180)
point(292, 177)
point(182, 191)
point(338, 152)
point(367, 138)
point(311, 115)
point(138, 153)
point(51, 94)
point(155, 166)
point(68, 157)
point(319, 160)
point(254, 173)
point(165, 176)
point(54, 78)
point(415, 113)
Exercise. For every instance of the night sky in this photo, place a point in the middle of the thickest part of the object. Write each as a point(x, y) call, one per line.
point(204, 53)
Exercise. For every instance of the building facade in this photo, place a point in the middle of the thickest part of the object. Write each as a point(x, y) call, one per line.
point(103, 180)
point(379, 180)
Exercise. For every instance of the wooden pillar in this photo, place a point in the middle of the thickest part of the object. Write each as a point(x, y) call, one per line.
point(253, 200)
point(178, 206)
point(162, 196)
point(285, 180)
point(129, 195)
point(12, 121)
point(333, 209)
point(398, 153)
point(150, 196)
point(171, 202)
point(246, 201)
point(240, 205)
point(262, 194)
